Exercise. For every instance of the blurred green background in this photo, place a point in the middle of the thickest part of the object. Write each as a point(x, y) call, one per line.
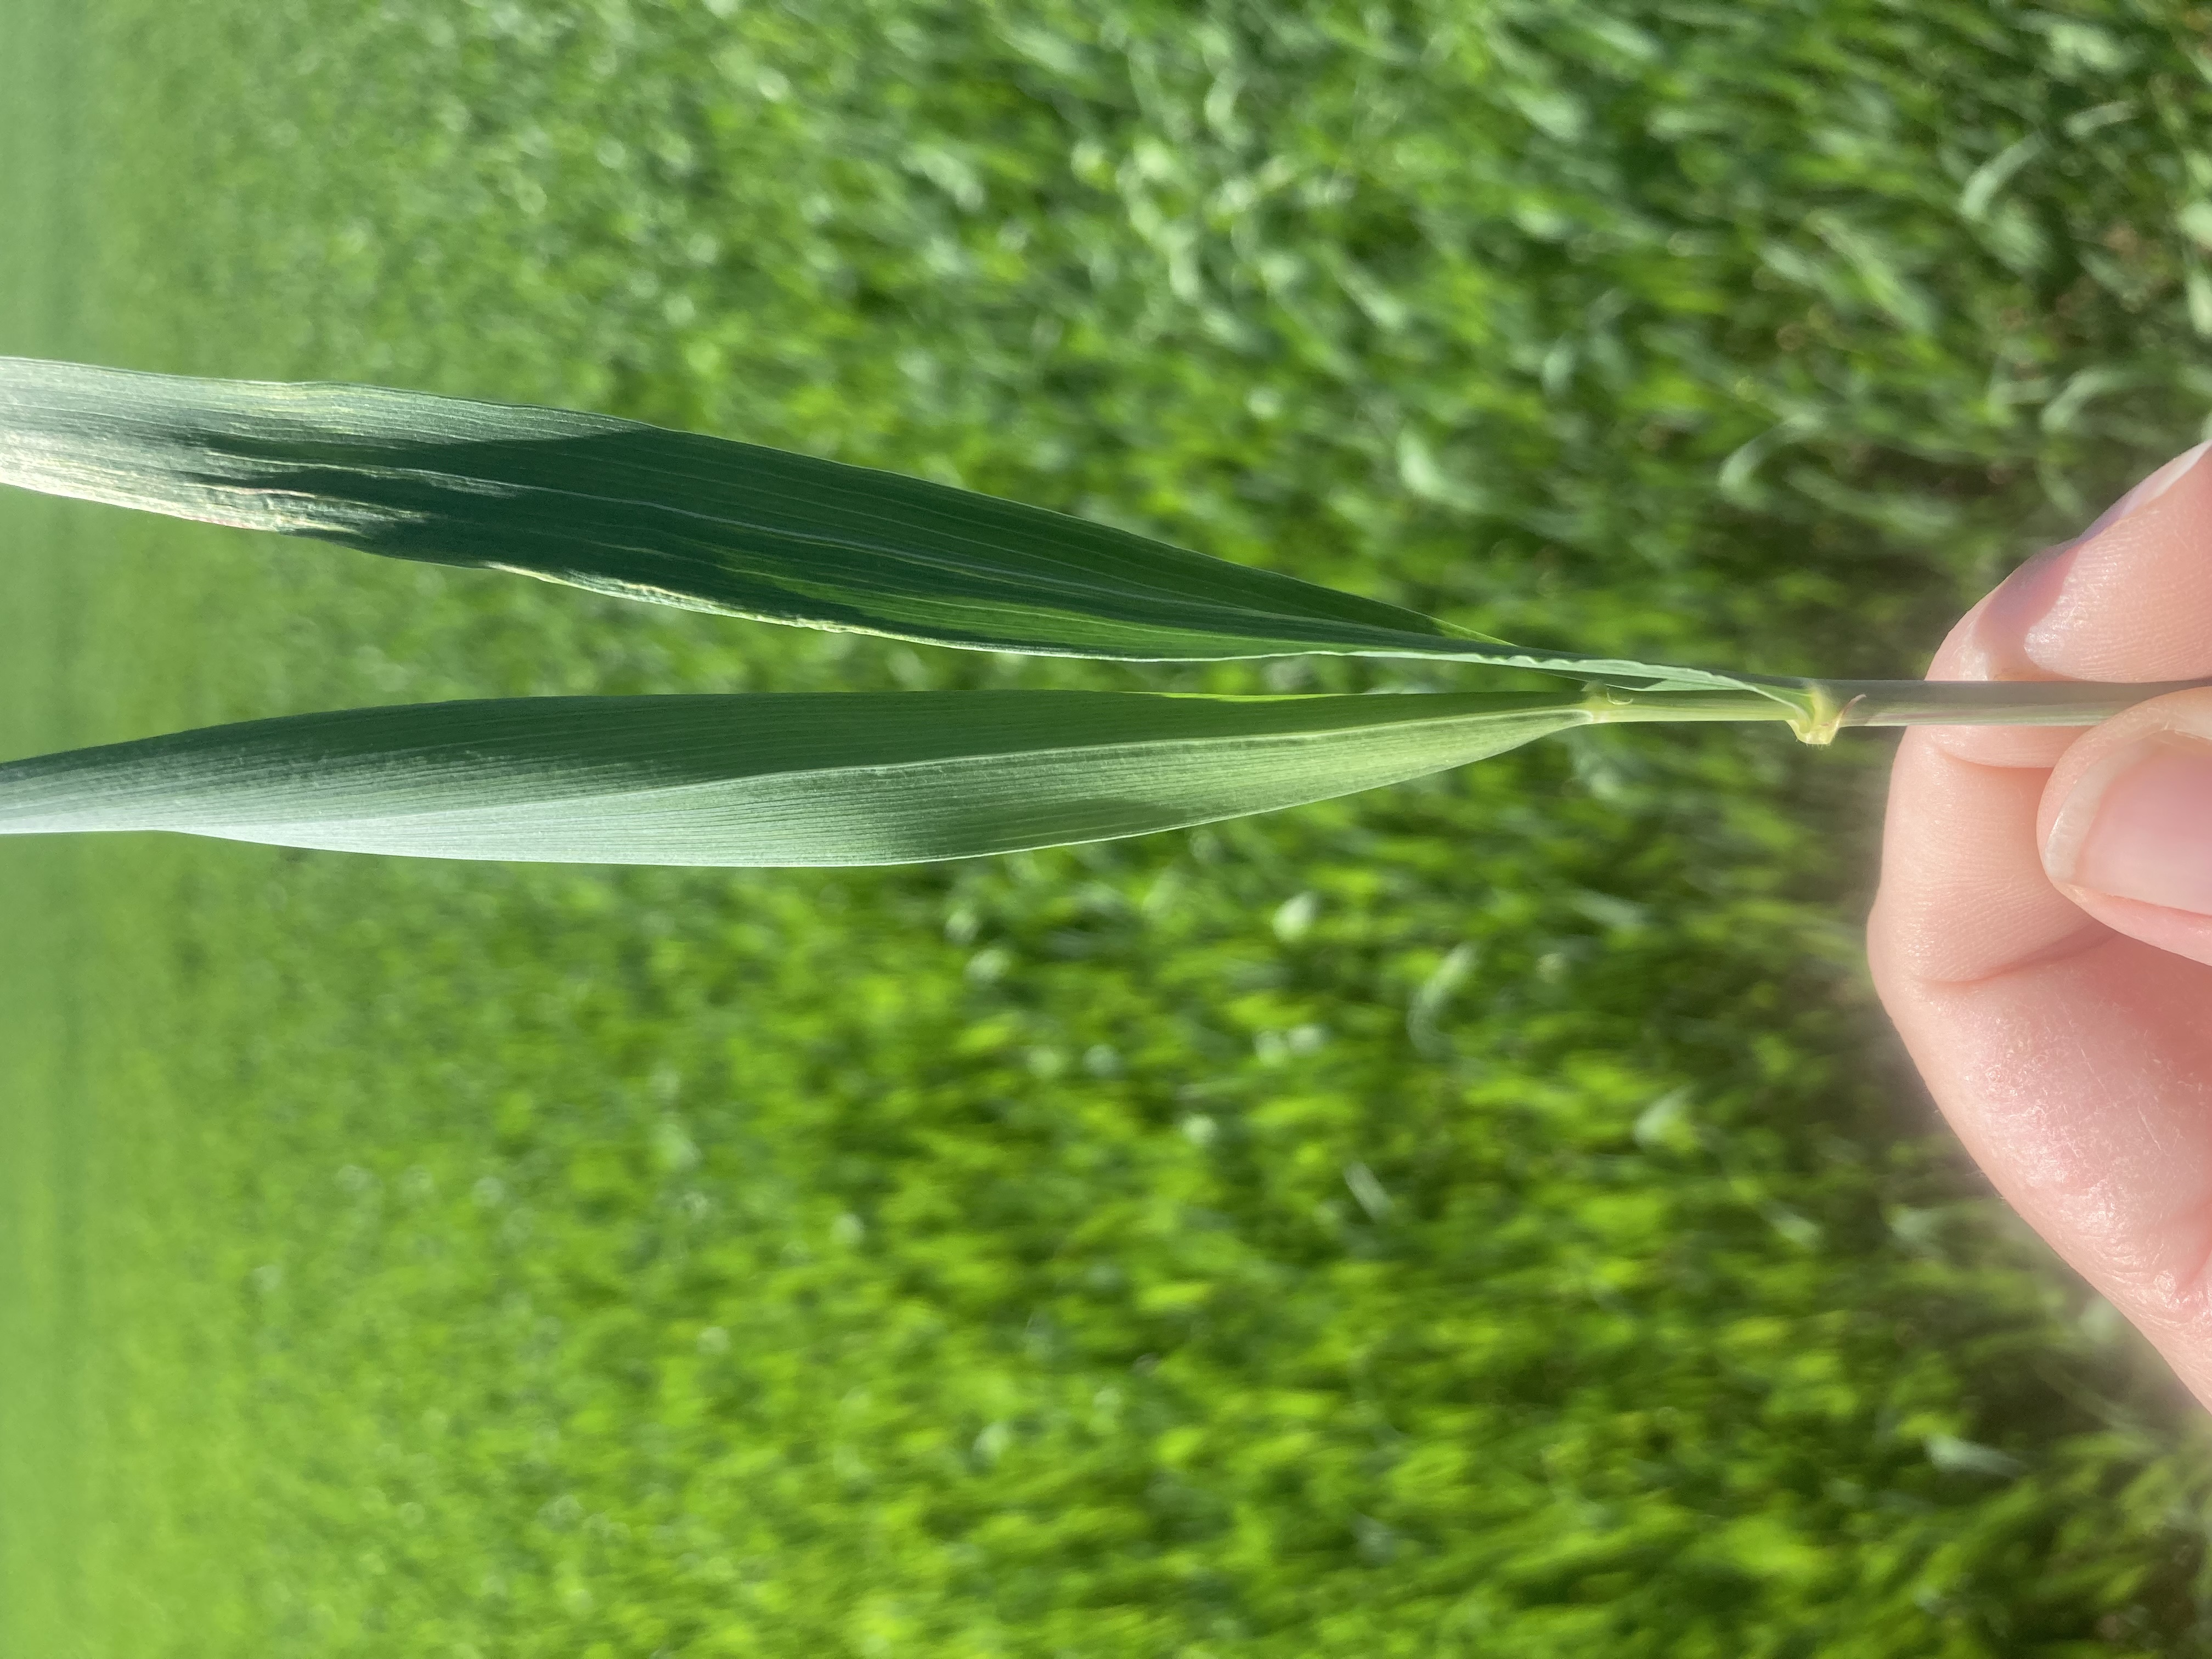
point(1484, 1217)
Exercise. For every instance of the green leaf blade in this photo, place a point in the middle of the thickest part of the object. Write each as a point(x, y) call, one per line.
point(761, 779)
point(687, 520)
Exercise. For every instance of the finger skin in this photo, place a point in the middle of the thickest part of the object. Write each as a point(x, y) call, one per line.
point(2066, 1036)
point(2083, 1087)
point(1964, 896)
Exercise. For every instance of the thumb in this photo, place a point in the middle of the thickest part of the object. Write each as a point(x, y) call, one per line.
point(2125, 824)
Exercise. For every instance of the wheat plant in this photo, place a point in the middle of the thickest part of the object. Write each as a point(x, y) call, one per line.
point(710, 524)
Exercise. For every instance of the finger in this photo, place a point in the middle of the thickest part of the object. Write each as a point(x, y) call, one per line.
point(2125, 825)
point(2132, 600)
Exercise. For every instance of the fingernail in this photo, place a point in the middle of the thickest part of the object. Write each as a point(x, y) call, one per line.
point(2139, 825)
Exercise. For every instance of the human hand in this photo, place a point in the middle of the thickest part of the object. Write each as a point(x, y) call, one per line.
point(2042, 937)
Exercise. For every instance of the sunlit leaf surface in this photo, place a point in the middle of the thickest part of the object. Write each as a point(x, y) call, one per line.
point(790, 779)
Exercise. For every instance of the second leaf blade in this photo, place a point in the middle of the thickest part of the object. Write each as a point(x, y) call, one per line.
point(761, 779)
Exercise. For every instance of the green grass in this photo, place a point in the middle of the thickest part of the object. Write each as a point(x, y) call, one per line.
point(1483, 1217)
point(39, 1268)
